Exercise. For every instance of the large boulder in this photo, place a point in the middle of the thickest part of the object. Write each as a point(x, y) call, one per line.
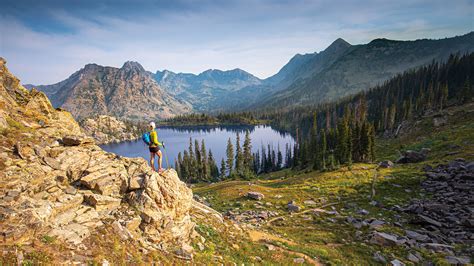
point(255, 195)
point(410, 156)
point(292, 207)
point(40, 102)
point(76, 140)
point(440, 121)
point(386, 164)
point(385, 239)
point(164, 204)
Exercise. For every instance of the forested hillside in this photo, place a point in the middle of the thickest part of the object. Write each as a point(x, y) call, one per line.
point(364, 66)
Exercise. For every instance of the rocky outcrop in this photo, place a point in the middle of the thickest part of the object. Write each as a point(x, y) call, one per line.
point(128, 92)
point(412, 157)
point(55, 182)
point(106, 129)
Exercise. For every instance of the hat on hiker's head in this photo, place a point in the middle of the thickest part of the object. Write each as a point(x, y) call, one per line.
point(152, 124)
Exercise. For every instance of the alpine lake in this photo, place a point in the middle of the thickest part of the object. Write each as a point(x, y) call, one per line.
point(176, 139)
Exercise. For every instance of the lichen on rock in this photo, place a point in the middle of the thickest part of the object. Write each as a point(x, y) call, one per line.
point(54, 181)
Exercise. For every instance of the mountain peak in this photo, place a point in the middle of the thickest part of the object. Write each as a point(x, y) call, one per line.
point(133, 65)
point(338, 43)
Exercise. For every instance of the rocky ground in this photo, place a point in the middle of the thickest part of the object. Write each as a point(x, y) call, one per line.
point(447, 218)
point(416, 211)
point(56, 185)
point(106, 129)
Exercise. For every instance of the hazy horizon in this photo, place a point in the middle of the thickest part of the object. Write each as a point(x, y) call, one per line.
point(46, 42)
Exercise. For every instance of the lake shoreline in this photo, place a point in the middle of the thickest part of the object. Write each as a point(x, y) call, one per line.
point(177, 140)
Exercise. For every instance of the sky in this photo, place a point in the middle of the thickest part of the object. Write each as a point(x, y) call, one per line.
point(46, 41)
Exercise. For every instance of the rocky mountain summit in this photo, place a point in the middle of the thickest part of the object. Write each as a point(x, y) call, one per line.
point(129, 92)
point(57, 184)
point(106, 129)
point(208, 90)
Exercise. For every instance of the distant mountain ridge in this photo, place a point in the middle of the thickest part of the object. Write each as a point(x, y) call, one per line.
point(359, 67)
point(206, 89)
point(339, 70)
point(128, 92)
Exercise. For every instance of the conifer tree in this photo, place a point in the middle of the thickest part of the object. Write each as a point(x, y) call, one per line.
point(287, 156)
point(263, 165)
point(349, 147)
point(273, 165)
point(192, 170)
point(372, 143)
point(247, 156)
point(323, 149)
point(279, 158)
point(214, 171)
point(230, 157)
point(185, 168)
point(198, 160)
point(313, 147)
point(364, 142)
point(256, 162)
point(204, 161)
point(238, 155)
point(296, 154)
point(223, 169)
point(178, 165)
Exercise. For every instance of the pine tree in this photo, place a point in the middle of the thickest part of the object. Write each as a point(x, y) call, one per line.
point(247, 156)
point(214, 171)
point(356, 142)
point(444, 96)
point(238, 155)
point(313, 147)
point(341, 141)
point(223, 169)
point(349, 147)
point(273, 166)
point(287, 156)
point(256, 162)
point(323, 149)
point(185, 168)
point(178, 166)
point(204, 161)
point(372, 143)
point(279, 158)
point(230, 157)
point(263, 164)
point(466, 91)
point(364, 142)
point(296, 154)
point(303, 154)
point(192, 170)
point(198, 162)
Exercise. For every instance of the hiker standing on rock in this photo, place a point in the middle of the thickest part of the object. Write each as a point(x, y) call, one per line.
point(151, 138)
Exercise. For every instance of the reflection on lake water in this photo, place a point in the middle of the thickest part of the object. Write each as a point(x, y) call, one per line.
point(177, 140)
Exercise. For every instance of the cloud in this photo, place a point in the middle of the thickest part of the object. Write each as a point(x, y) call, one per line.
point(46, 41)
